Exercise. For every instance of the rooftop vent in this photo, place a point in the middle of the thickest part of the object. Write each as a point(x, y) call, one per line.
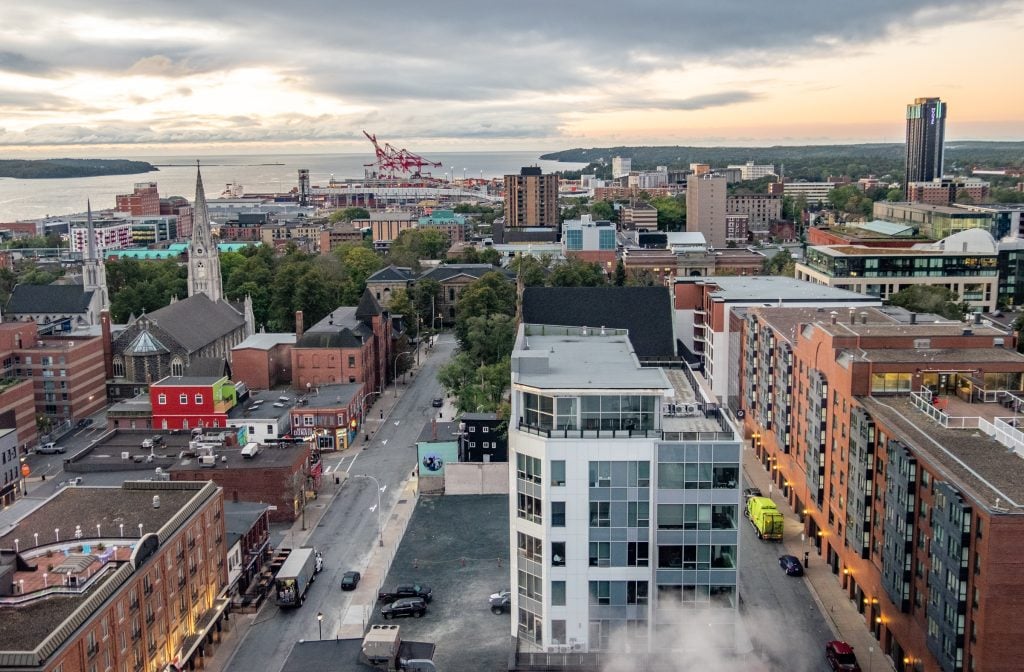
point(156, 501)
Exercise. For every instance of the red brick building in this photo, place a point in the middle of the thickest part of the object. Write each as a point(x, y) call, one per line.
point(894, 441)
point(187, 402)
point(134, 595)
point(332, 413)
point(144, 201)
point(263, 361)
point(281, 475)
point(350, 345)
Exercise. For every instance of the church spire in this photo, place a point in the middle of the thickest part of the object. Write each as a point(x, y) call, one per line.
point(94, 272)
point(203, 256)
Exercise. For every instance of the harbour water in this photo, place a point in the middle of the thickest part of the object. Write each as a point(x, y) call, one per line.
point(29, 199)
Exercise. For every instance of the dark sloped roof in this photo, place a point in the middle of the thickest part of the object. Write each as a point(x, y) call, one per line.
point(208, 367)
point(342, 338)
point(66, 299)
point(449, 271)
point(392, 274)
point(645, 311)
point(197, 321)
point(368, 307)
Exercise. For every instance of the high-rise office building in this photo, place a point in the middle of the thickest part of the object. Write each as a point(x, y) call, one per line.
point(926, 131)
point(706, 207)
point(621, 166)
point(531, 199)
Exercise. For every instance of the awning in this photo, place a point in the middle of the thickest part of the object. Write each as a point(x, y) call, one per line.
point(204, 624)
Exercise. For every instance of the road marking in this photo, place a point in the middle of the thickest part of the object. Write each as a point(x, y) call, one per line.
point(352, 464)
point(384, 442)
point(396, 422)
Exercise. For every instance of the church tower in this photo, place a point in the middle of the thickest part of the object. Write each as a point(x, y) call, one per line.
point(94, 272)
point(203, 257)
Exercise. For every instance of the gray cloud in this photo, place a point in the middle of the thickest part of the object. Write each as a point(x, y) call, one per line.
point(436, 69)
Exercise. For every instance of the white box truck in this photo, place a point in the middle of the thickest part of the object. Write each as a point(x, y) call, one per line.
point(295, 576)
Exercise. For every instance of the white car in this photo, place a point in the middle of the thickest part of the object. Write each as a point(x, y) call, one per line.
point(50, 448)
point(71, 482)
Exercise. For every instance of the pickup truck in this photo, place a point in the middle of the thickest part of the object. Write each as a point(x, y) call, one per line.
point(406, 590)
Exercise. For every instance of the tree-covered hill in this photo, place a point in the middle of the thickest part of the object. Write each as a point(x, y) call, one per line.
point(26, 169)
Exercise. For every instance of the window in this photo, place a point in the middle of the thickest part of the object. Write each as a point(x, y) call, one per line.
point(307, 420)
point(558, 554)
point(600, 515)
point(177, 367)
point(557, 514)
point(558, 472)
point(636, 592)
point(183, 399)
point(118, 367)
point(600, 554)
point(600, 474)
point(600, 592)
point(199, 400)
point(530, 547)
point(351, 361)
point(529, 468)
point(161, 399)
point(639, 475)
point(485, 429)
point(638, 514)
point(637, 554)
point(558, 593)
point(529, 508)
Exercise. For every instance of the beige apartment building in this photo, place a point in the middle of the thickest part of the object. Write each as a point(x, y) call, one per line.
point(706, 208)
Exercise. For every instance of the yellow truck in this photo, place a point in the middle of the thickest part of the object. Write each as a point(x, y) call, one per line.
point(765, 517)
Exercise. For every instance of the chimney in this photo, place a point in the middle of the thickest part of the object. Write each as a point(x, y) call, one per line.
point(853, 316)
point(863, 318)
point(108, 355)
point(835, 316)
point(913, 318)
point(977, 318)
point(298, 325)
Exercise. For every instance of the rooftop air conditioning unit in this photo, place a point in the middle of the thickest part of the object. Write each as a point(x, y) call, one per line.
point(668, 409)
point(125, 455)
point(207, 461)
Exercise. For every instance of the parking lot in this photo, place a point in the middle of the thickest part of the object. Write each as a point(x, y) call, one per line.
point(458, 545)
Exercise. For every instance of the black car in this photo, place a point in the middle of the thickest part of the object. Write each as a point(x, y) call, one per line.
point(407, 606)
point(349, 580)
point(438, 402)
point(406, 590)
point(791, 565)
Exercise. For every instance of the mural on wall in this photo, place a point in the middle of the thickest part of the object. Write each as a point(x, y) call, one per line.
point(433, 457)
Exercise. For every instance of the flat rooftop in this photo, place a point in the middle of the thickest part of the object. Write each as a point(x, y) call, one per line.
point(265, 341)
point(773, 288)
point(173, 381)
point(333, 396)
point(564, 358)
point(264, 404)
point(269, 457)
point(986, 469)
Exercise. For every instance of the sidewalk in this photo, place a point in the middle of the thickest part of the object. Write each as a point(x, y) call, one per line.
point(840, 611)
point(364, 597)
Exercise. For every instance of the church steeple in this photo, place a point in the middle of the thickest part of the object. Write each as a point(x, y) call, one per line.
point(94, 272)
point(203, 257)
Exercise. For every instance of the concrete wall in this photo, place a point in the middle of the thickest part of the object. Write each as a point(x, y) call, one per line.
point(476, 478)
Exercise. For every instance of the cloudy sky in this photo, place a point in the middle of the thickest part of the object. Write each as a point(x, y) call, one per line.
point(130, 77)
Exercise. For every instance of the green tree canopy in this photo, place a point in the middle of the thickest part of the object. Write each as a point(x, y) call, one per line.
point(930, 299)
point(349, 214)
point(574, 272)
point(780, 264)
point(671, 212)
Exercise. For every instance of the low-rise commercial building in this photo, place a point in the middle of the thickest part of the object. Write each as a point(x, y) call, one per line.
point(263, 361)
point(939, 221)
point(589, 240)
point(188, 402)
point(639, 216)
point(266, 415)
point(331, 414)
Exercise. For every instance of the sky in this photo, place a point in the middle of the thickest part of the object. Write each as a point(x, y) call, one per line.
point(118, 77)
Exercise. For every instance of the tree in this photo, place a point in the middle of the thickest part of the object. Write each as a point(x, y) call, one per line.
point(425, 296)
point(574, 272)
point(491, 256)
point(491, 294)
point(620, 274)
point(349, 214)
point(359, 264)
point(671, 212)
point(532, 270)
point(490, 338)
point(602, 210)
point(930, 299)
point(780, 264)
point(894, 195)
point(401, 304)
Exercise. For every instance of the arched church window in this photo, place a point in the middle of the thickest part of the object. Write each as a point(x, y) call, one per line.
point(177, 367)
point(118, 367)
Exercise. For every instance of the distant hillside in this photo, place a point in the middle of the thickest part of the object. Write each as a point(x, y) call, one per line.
point(57, 168)
point(807, 162)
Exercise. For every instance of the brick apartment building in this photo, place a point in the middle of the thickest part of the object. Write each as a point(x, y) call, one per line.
point(331, 413)
point(263, 361)
point(142, 202)
point(763, 209)
point(884, 435)
point(80, 590)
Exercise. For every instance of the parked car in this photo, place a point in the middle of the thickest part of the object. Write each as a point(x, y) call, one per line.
point(407, 606)
point(791, 565)
point(50, 448)
point(840, 657)
point(500, 601)
point(751, 492)
point(406, 590)
point(438, 402)
point(349, 580)
point(71, 482)
point(85, 422)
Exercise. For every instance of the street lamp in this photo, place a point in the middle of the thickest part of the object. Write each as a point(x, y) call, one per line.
point(394, 368)
point(380, 523)
point(320, 623)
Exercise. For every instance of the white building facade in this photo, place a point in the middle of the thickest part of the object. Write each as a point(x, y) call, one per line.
point(624, 499)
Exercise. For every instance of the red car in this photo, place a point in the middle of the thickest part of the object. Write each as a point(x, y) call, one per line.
point(840, 657)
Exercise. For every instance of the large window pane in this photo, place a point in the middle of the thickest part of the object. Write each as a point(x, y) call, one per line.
point(670, 516)
point(557, 594)
point(670, 475)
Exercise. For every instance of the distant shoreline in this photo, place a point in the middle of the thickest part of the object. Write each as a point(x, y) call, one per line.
point(50, 169)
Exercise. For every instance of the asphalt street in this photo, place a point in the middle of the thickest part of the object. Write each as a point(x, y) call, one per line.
point(779, 613)
point(348, 529)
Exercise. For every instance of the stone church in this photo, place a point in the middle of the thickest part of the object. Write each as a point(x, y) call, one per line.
point(191, 336)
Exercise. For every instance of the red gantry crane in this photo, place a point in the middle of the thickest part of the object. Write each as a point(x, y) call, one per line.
point(391, 162)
